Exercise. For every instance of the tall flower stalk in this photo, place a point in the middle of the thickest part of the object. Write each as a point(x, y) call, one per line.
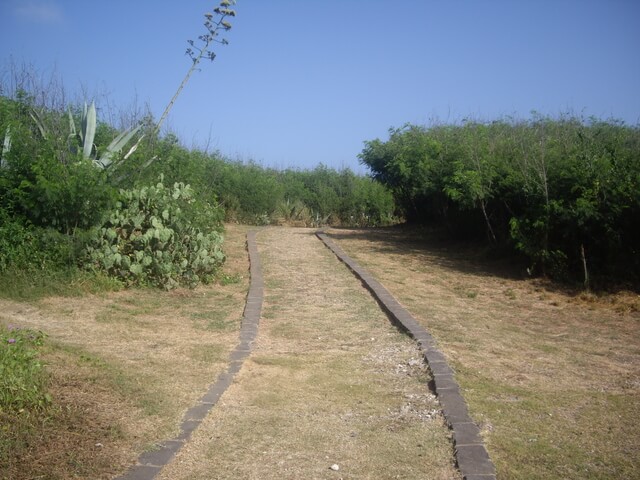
point(215, 23)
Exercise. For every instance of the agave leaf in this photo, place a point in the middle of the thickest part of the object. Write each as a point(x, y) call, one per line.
point(73, 134)
point(39, 123)
point(121, 140)
point(116, 145)
point(134, 148)
point(89, 130)
point(72, 124)
point(6, 146)
point(83, 122)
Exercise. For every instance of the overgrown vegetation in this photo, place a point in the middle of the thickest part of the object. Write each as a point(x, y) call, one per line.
point(60, 201)
point(22, 380)
point(23, 387)
point(64, 212)
point(563, 192)
point(150, 238)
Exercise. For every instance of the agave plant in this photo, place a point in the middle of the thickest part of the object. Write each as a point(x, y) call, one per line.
point(87, 133)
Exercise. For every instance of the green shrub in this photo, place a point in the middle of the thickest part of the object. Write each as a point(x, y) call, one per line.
point(26, 247)
point(36, 262)
point(563, 191)
point(294, 213)
point(154, 237)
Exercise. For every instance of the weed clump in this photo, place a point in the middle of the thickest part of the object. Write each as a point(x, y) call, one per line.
point(22, 380)
point(23, 388)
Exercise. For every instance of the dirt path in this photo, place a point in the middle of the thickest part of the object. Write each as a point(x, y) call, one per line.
point(330, 383)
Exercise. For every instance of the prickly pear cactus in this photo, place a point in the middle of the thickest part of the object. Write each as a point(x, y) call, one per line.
point(150, 240)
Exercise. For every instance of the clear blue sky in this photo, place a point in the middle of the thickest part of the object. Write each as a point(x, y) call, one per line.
point(308, 81)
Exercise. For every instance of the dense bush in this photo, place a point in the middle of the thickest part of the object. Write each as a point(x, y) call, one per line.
point(562, 191)
point(52, 197)
point(150, 238)
point(339, 197)
point(41, 181)
point(26, 247)
point(251, 193)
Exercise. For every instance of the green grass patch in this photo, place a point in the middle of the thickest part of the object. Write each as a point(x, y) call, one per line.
point(225, 279)
point(22, 378)
point(216, 319)
point(208, 353)
point(544, 433)
point(140, 389)
point(34, 284)
point(24, 399)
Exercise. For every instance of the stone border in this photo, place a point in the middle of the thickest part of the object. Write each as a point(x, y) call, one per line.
point(150, 464)
point(470, 453)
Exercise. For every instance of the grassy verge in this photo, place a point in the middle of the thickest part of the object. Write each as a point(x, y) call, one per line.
point(120, 368)
point(31, 285)
point(551, 377)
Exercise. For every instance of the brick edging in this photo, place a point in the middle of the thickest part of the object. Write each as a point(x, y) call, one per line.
point(149, 464)
point(471, 455)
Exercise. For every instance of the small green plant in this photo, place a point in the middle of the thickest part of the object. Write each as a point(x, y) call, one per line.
point(22, 379)
point(150, 238)
point(293, 213)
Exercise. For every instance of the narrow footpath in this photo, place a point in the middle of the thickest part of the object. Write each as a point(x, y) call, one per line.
point(330, 389)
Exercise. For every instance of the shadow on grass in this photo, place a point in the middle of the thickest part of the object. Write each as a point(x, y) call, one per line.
point(469, 257)
point(460, 256)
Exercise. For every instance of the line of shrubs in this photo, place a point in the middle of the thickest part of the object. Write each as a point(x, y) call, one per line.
point(564, 192)
point(72, 205)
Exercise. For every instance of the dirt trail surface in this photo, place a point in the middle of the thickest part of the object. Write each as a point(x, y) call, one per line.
point(331, 389)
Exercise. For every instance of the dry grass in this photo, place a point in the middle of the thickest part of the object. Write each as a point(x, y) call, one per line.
point(124, 367)
point(330, 382)
point(553, 378)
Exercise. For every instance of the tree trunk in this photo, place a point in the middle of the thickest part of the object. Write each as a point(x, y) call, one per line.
point(584, 266)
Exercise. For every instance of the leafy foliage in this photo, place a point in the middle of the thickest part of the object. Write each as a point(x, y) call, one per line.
point(41, 181)
point(30, 248)
point(253, 194)
point(560, 191)
point(150, 238)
